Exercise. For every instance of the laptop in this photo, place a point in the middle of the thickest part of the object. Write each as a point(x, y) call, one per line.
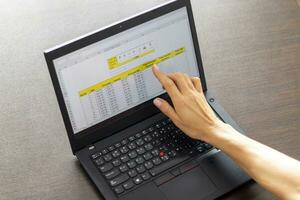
point(105, 90)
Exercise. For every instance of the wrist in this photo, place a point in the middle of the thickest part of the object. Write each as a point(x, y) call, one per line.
point(220, 132)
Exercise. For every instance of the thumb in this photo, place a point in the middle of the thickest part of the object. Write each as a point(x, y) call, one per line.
point(166, 108)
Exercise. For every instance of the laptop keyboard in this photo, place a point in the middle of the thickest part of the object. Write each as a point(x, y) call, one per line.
point(136, 159)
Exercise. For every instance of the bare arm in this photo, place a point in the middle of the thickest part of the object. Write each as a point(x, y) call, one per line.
point(275, 171)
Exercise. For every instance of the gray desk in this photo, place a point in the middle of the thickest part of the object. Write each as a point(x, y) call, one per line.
point(251, 55)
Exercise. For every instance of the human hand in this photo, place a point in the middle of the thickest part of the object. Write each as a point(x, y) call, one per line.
point(191, 112)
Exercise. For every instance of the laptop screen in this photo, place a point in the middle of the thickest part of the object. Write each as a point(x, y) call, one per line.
point(113, 75)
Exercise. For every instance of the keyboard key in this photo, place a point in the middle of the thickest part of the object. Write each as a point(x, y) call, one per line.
point(150, 129)
point(165, 158)
point(99, 161)
point(148, 165)
point(179, 149)
point(106, 167)
point(128, 185)
point(155, 152)
point(124, 149)
point(188, 166)
point(163, 139)
point(118, 145)
point(169, 128)
point(144, 132)
point(138, 135)
point(131, 138)
point(131, 145)
point(148, 147)
point(175, 172)
point(163, 148)
point(120, 179)
point(200, 149)
point(172, 153)
point(139, 142)
point(191, 151)
point(109, 175)
point(155, 134)
point(163, 179)
point(96, 155)
point(107, 157)
point(132, 154)
point(140, 169)
point(167, 165)
point(146, 176)
point(156, 142)
point(123, 142)
point(156, 161)
point(111, 148)
point(131, 164)
point(116, 153)
point(147, 138)
point(140, 150)
point(147, 156)
point(104, 151)
point(139, 160)
point(119, 189)
point(207, 146)
point(116, 162)
point(124, 158)
point(195, 142)
point(132, 173)
point(123, 168)
point(137, 180)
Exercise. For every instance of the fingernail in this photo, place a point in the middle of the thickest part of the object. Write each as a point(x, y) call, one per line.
point(155, 67)
point(157, 102)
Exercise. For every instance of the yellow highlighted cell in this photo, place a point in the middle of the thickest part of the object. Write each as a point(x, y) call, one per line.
point(114, 63)
point(130, 72)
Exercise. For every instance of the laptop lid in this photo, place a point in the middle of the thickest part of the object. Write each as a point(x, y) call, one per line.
point(103, 80)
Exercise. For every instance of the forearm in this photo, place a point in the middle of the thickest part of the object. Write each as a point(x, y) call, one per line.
point(273, 170)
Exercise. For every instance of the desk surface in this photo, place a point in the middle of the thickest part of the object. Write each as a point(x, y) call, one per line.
point(251, 56)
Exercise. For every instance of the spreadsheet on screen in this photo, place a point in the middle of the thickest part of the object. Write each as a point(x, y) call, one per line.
point(113, 75)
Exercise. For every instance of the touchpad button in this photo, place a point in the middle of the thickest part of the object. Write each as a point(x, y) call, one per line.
point(193, 185)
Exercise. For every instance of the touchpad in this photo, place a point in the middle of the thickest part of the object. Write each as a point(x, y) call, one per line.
point(193, 185)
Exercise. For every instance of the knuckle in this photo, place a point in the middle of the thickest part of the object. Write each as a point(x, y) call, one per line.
point(182, 76)
point(177, 74)
point(168, 83)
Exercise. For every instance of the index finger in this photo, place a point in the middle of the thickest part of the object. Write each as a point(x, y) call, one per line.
point(166, 82)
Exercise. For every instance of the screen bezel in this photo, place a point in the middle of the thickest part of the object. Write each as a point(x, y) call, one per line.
point(138, 113)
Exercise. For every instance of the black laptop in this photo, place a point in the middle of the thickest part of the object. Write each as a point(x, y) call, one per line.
point(105, 88)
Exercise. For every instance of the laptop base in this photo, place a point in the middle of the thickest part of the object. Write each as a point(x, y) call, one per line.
point(206, 176)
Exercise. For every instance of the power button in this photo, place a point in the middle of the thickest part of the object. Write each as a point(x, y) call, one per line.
point(211, 100)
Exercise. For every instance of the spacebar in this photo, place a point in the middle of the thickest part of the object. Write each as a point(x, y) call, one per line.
point(167, 165)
